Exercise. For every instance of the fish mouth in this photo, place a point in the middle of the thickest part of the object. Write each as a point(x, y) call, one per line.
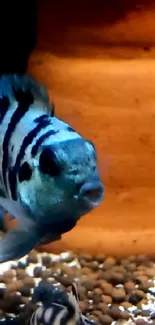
point(91, 195)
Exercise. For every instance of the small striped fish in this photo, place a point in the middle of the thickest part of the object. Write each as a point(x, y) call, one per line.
point(48, 171)
point(61, 309)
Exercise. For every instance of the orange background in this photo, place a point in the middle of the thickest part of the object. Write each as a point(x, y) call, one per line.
point(98, 62)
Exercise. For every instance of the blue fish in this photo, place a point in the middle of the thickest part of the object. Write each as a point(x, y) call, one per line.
point(48, 172)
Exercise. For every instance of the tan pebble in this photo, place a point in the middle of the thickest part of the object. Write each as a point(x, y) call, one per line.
point(93, 276)
point(103, 307)
point(150, 272)
point(97, 313)
point(118, 294)
point(19, 284)
point(84, 305)
point(46, 274)
point(117, 278)
point(25, 300)
point(9, 273)
point(29, 282)
point(142, 278)
point(140, 293)
point(86, 257)
point(90, 295)
point(11, 287)
point(132, 258)
point(37, 271)
point(145, 286)
point(106, 287)
point(98, 291)
point(131, 267)
point(129, 286)
point(94, 265)
point(106, 275)
point(68, 270)
point(141, 268)
point(65, 280)
point(142, 259)
point(7, 280)
point(84, 263)
point(100, 258)
point(141, 321)
point(89, 285)
point(86, 270)
point(125, 262)
point(126, 304)
point(20, 274)
point(115, 312)
point(139, 273)
point(141, 303)
point(119, 269)
point(105, 319)
point(106, 299)
point(125, 315)
point(96, 299)
point(46, 260)
point(94, 318)
point(109, 262)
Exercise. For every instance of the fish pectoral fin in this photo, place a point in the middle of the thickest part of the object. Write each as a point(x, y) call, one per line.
point(49, 238)
point(16, 244)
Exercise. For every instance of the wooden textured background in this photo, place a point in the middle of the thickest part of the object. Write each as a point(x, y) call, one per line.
point(97, 59)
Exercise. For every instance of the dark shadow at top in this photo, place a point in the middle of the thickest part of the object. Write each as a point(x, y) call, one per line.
point(17, 34)
point(56, 18)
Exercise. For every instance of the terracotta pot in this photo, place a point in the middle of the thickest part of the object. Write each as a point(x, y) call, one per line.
point(98, 62)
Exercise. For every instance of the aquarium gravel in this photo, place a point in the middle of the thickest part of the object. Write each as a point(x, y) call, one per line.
point(112, 290)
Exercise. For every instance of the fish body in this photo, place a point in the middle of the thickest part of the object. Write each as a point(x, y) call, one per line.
point(48, 171)
point(58, 307)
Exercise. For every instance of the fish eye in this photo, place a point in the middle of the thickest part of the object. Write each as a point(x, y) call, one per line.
point(48, 163)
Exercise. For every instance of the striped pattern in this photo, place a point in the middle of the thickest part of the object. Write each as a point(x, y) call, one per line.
point(55, 314)
point(27, 141)
point(65, 313)
point(25, 125)
point(24, 102)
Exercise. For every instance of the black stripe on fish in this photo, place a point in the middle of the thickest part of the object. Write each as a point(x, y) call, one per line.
point(38, 143)
point(12, 177)
point(4, 105)
point(41, 118)
point(70, 129)
point(25, 99)
point(56, 309)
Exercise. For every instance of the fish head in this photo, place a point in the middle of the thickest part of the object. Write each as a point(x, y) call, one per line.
point(65, 184)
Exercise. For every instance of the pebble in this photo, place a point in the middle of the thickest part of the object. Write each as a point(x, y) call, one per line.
point(105, 319)
point(46, 260)
point(104, 284)
point(118, 294)
point(115, 312)
point(107, 299)
point(106, 287)
point(25, 291)
point(109, 262)
point(29, 282)
point(129, 286)
point(37, 272)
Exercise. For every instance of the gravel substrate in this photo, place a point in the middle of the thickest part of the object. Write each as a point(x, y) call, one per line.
point(112, 290)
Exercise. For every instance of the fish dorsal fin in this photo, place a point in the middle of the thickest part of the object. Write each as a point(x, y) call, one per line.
point(74, 300)
point(25, 89)
point(74, 291)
